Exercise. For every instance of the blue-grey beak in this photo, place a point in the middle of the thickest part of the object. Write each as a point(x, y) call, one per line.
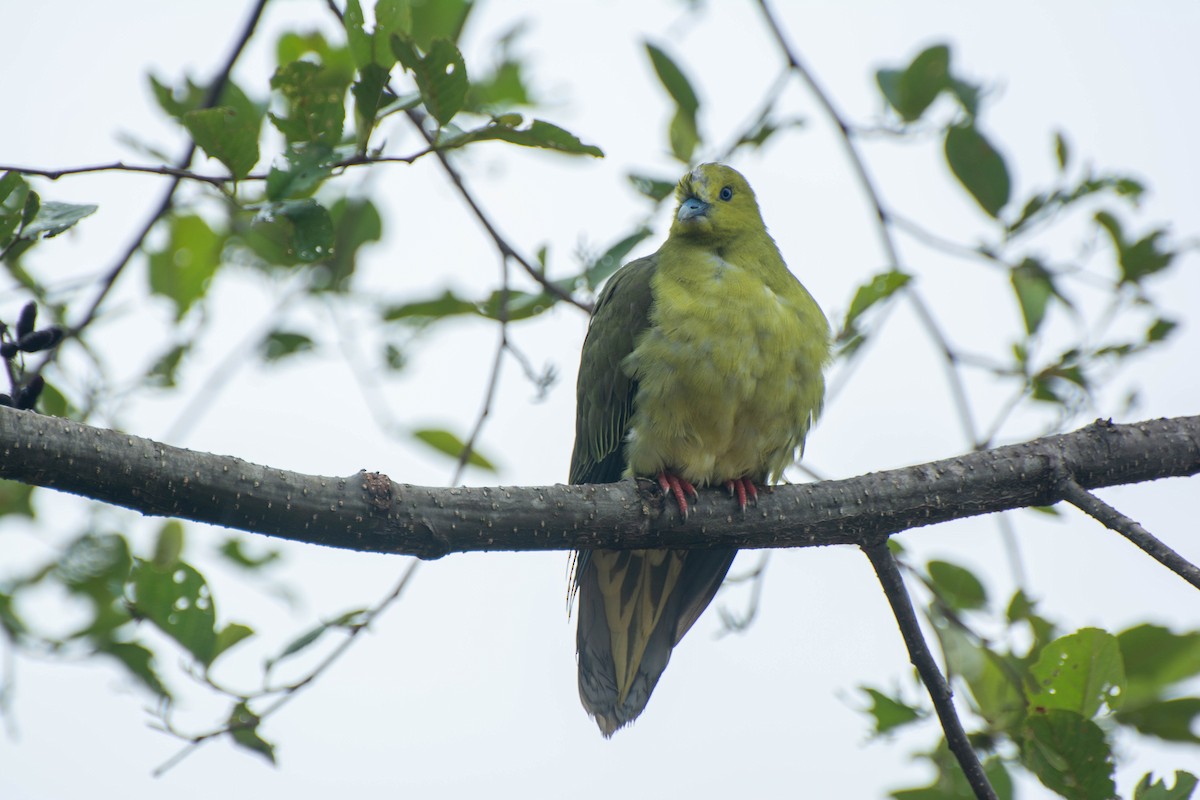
point(692, 207)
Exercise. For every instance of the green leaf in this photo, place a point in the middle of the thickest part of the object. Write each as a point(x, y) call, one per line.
point(168, 547)
point(392, 17)
point(598, 269)
point(1136, 259)
point(441, 75)
point(336, 60)
point(356, 223)
point(16, 498)
point(978, 167)
point(683, 133)
point(181, 270)
point(1034, 287)
point(1079, 672)
point(1160, 330)
point(229, 636)
point(912, 90)
point(997, 691)
point(360, 42)
point(876, 290)
point(278, 345)
point(300, 230)
point(233, 549)
point(957, 586)
point(55, 404)
point(437, 19)
point(951, 784)
point(683, 136)
point(1156, 659)
point(178, 602)
point(448, 305)
point(1170, 720)
point(227, 134)
point(243, 728)
point(8, 184)
point(53, 218)
point(315, 99)
point(1185, 785)
point(165, 370)
point(1062, 153)
point(654, 188)
point(299, 644)
point(888, 712)
point(13, 193)
point(1069, 755)
point(539, 134)
point(505, 87)
point(369, 91)
point(96, 565)
point(674, 81)
point(514, 306)
point(138, 662)
point(177, 101)
point(300, 172)
point(446, 442)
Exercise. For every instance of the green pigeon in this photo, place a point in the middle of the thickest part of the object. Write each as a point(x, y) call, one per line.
point(703, 365)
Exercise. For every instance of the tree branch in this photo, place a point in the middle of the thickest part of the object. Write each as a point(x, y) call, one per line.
point(211, 97)
point(368, 512)
point(1093, 506)
point(918, 651)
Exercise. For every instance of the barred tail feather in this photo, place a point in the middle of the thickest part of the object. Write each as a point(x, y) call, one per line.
point(634, 607)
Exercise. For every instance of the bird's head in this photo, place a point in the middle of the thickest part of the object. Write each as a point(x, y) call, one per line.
point(715, 204)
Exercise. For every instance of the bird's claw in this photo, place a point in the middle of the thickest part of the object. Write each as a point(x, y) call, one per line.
point(679, 488)
point(743, 489)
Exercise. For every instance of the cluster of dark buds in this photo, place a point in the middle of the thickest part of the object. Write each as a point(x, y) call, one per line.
point(25, 339)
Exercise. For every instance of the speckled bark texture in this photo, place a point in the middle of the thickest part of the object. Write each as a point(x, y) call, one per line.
point(369, 512)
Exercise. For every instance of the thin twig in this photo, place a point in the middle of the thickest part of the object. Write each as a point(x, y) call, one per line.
point(1093, 506)
point(921, 657)
point(211, 97)
point(858, 164)
point(948, 246)
point(506, 249)
point(214, 180)
point(290, 691)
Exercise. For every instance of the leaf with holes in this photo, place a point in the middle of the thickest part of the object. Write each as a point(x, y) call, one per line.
point(178, 602)
point(1079, 672)
point(441, 75)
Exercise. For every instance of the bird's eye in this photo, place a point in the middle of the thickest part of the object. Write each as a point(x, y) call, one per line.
point(726, 194)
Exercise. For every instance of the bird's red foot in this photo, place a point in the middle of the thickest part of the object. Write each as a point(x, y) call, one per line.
point(743, 489)
point(679, 488)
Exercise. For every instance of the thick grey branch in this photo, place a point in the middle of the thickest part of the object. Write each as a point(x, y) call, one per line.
point(369, 512)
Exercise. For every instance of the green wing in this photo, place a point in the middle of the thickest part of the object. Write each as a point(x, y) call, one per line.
point(604, 391)
point(634, 605)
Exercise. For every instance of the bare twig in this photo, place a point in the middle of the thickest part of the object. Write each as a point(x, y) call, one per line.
point(1093, 506)
point(506, 249)
point(493, 380)
point(164, 205)
point(891, 253)
point(921, 657)
point(183, 174)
